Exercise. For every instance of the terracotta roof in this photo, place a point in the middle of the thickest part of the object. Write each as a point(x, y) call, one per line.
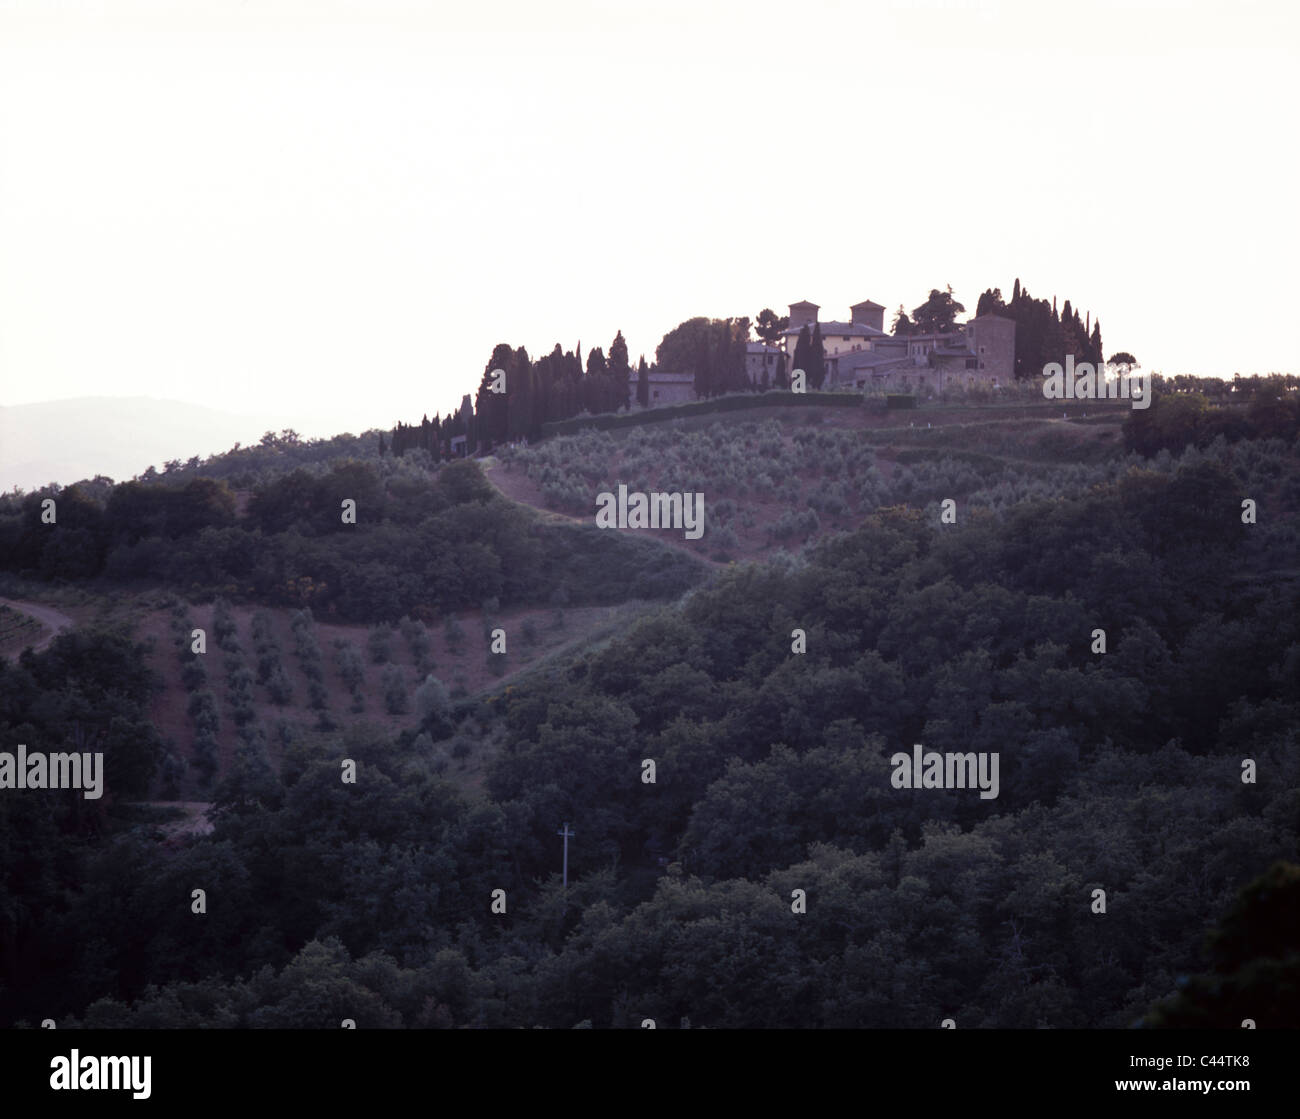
point(852, 329)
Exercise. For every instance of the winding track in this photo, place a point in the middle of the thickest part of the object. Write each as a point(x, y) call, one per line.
point(54, 621)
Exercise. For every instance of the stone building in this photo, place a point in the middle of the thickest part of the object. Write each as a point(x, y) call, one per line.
point(862, 357)
point(761, 359)
point(666, 388)
point(865, 325)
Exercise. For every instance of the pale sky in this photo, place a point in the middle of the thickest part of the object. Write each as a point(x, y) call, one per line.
point(334, 210)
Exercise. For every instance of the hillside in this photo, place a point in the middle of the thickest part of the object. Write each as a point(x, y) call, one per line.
point(720, 722)
point(781, 477)
point(437, 562)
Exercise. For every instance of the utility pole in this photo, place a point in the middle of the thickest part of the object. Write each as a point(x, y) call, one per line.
point(566, 833)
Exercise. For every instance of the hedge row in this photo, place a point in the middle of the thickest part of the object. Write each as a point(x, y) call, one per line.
point(735, 403)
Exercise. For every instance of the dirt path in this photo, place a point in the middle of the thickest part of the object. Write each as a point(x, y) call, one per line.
point(516, 486)
point(51, 619)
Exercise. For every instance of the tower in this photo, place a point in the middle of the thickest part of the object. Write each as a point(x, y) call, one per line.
point(801, 313)
point(869, 314)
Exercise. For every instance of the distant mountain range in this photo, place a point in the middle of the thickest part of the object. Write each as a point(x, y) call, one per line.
point(64, 441)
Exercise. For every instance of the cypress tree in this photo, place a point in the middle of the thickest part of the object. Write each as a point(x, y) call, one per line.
point(618, 361)
point(642, 383)
point(817, 358)
point(703, 368)
point(1053, 340)
point(803, 353)
point(733, 355)
point(1069, 336)
point(620, 373)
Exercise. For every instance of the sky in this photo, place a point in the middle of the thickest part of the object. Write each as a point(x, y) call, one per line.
point(332, 211)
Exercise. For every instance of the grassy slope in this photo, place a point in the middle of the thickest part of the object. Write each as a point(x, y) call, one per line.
point(1038, 433)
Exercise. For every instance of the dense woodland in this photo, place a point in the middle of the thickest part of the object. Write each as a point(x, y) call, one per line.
point(1121, 771)
point(422, 544)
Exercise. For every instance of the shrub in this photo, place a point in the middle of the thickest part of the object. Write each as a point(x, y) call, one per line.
point(172, 777)
point(263, 633)
point(267, 662)
point(791, 524)
point(205, 756)
point(432, 700)
point(419, 642)
point(278, 686)
point(223, 622)
point(305, 643)
point(351, 666)
point(380, 644)
point(201, 702)
point(723, 541)
point(393, 681)
point(240, 681)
